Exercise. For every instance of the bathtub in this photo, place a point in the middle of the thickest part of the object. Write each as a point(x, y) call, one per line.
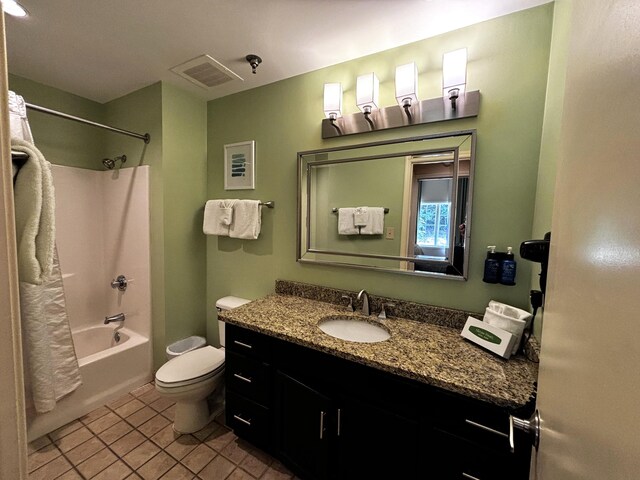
point(109, 369)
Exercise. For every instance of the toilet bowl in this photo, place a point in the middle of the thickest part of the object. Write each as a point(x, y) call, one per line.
point(189, 379)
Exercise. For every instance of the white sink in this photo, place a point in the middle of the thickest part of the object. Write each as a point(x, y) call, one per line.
point(353, 329)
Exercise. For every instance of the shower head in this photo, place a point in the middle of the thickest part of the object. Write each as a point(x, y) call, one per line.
point(110, 163)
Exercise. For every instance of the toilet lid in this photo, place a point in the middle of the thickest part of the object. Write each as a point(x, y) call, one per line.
point(190, 365)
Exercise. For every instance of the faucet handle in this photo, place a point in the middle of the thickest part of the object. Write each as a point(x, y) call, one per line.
point(383, 313)
point(350, 306)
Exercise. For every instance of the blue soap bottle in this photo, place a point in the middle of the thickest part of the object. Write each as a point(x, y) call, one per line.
point(508, 268)
point(491, 266)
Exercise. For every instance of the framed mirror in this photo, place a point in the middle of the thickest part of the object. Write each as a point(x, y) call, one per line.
point(401, 205)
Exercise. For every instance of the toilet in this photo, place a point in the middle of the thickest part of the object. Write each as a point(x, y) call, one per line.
point(190, 378)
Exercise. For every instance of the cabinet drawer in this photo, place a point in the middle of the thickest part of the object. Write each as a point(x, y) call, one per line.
point(247, 342)
point(458, 459)
point(248, 419)
point(247, 376)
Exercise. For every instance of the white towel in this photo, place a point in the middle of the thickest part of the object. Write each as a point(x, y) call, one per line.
point(18, 122)
point(375, 223)
point(345, 222)
point(35, 211)
point(361, 216)
point(246, 220)
point(218, 217)
point(506, 317)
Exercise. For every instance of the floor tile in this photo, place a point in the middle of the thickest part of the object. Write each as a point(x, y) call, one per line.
point(239, 474)
point(162, 404)
point(182, 446)
point(170, 412)
point(37, 444)
point(120, 401)
point(74, 439)
point(65, 430)
point(149, 397)
point(84, 450)
point(256, 462)
point(178, 472)
point(98, 462)
point(220, 438)
point(277, 471)
point(141, 416)
point(127, 443)
point(153, 426)
point(129, 408)
point(141, 454)
point(42, 456)
point(217, 469)
point(51, 470)
point(206, 431)
point(70, 475)
point(165, 437)
point(104, 422)
point(236, 450)
point(115, 432)
point(116, 471)
point(143, 389)
point(94, 415)
point(156, 467)
point(198, 458)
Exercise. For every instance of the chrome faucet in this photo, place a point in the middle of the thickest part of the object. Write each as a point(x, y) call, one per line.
point(118, 317)
point(365, 301)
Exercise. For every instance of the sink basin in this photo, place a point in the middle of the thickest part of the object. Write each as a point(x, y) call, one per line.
point(353, 329)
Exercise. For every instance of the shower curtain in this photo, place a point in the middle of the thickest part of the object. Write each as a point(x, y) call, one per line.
point(51, 365)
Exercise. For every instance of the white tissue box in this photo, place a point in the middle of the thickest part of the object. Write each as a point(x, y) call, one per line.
point(487, 336)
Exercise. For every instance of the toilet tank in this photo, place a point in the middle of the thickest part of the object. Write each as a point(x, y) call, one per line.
point(227, 303)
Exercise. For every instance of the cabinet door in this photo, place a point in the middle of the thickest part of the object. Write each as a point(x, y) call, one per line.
point(303, 427)
point(375, 443)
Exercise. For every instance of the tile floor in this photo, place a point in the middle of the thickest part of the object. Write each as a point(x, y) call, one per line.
point(132, 438)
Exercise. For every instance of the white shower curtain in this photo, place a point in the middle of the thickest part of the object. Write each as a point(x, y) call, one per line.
point(51, 365)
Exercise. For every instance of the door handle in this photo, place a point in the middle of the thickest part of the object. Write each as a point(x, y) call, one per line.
point(530, 427)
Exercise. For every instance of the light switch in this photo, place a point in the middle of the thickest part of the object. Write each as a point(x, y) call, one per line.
point(391, 233)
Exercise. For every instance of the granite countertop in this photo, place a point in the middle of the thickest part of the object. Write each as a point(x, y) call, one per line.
point(423, 351)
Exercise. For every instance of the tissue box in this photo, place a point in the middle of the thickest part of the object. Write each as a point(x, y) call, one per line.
point(487, 336)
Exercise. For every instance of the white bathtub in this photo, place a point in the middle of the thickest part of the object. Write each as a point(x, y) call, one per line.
point(108, 370)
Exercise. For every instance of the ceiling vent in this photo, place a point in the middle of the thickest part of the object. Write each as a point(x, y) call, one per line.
point(205, 72)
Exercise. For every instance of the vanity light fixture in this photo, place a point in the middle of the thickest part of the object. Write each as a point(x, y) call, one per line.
point(407, 86)
point(454, 75)
point(455, 103)
point(333, 103)
point(367, 93)
point(13, 8)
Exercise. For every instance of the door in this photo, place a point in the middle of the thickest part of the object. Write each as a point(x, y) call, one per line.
point(589, 385)
point(305, 427)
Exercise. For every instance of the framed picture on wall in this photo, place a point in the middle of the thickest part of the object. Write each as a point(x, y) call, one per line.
point(240, 166)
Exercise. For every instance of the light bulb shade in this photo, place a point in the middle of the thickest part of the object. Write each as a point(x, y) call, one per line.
point(367, 92)
point(333, 100)
point(454, 71)
point(407, 84)
point(13, 8)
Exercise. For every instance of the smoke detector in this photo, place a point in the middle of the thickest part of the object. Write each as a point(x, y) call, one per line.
point(205, 72)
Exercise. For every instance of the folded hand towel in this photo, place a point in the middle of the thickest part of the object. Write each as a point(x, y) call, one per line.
point(35, 215)
point(506, 317)
point(246, 220)
point(345, 222)
point(375, 225)
point(218, 216)
point(361, 217)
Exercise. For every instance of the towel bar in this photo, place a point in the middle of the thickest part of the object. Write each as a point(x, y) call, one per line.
point(335, 210)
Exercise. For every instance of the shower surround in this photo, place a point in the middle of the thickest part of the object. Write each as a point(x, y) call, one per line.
point(102, 231)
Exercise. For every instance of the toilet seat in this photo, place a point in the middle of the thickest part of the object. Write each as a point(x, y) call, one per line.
point(190, 368)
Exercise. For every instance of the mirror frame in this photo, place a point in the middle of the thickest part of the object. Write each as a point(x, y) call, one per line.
point(302, 171)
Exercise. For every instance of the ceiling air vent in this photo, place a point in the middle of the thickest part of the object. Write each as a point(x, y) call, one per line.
point(205, 72)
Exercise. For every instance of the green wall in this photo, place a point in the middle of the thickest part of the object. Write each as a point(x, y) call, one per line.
point(63, 142)
point(508, 62)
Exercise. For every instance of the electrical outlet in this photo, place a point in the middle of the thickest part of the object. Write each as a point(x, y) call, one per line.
point(391, 233)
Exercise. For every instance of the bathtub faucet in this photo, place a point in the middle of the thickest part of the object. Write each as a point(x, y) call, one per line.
point(119, 317)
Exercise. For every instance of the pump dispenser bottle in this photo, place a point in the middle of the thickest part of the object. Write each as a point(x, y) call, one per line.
point(491, 266)
point(508, 268)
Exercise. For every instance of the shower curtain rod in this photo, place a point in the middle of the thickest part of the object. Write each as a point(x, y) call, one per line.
point(146, 137)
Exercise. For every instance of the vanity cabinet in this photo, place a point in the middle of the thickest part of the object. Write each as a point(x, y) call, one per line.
point(329, 418)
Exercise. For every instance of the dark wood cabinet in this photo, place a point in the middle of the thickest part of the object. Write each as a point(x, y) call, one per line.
point(329, 418)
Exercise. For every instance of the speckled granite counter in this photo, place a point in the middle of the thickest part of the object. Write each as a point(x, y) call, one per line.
point(423, 351)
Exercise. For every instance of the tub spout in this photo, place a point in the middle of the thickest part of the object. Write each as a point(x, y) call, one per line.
point(119, 317)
